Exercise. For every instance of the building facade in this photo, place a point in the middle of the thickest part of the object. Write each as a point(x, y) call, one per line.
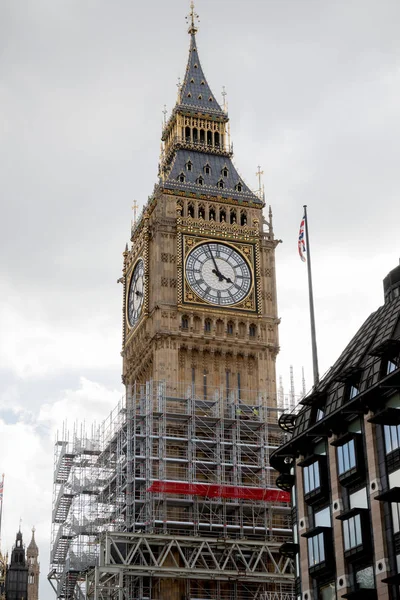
point(17, 572)
point(342, 465)
point(174, 496)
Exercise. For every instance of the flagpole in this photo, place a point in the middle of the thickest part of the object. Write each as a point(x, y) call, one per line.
point(311, 300)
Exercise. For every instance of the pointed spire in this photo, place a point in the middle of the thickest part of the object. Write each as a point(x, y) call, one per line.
point(195, 91)
point(32, 543)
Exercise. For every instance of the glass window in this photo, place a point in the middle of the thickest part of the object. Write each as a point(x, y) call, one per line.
point(352, 532)
point(327, 591)
point(398, 562)
point(391, 366)
point(320, 414)
point(316, 550)
point(320, 448)
point(311, 477)
point(297, 565)
point(392, 437)
point(359, 499)
point(346, 455)
point(322, 518)
point(355, 426)
point(365, 578)
point(353, 391)
point(295, 534)
point(394, 479)
point(395, 506)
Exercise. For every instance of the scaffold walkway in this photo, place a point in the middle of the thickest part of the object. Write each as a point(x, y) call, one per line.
point(172, 486)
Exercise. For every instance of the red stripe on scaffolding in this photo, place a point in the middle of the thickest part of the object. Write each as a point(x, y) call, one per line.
point(220, 491)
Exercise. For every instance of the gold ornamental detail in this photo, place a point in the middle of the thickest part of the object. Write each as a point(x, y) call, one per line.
point(186, 295)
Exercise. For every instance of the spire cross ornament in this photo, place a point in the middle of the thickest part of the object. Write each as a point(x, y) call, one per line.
point(134, 208)
point(191, 18)
point(223, 93)
point(259, 174)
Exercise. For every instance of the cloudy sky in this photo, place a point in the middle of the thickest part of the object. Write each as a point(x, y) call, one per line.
point(313, 91)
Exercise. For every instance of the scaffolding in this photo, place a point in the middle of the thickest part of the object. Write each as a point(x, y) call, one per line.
point(174, 489)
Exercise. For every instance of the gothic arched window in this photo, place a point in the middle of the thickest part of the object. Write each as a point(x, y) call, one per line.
point(220, 184)
point(207, 325)
point(185, 322)
point(229, 328)
point(252, 330)
point(181, 177)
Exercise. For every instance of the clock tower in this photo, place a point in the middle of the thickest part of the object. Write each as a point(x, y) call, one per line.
point(200, 303)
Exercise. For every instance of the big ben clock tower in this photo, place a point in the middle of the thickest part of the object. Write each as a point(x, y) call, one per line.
point(200, 293)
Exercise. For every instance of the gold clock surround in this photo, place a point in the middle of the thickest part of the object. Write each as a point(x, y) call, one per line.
point(139, 252)
point(185, 293)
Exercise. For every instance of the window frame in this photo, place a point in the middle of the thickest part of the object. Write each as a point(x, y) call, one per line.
point(319, 539)
point(356, 526)
point(356, 467)
point(321, 491)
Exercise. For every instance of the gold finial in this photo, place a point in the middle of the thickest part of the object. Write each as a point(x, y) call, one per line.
point(260, 187)
point(191, 18)
point(134, 208)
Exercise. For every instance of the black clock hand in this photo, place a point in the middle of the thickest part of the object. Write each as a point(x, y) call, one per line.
point(229, 280)
point(216, 270)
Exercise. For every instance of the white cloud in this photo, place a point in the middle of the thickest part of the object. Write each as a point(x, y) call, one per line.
point(27, 459)
point(32, 346)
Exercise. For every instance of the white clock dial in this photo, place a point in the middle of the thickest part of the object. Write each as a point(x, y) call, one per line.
point(218, 273)
point(136, 293)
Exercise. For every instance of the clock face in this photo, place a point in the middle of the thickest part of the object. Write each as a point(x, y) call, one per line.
point(218, 273)
point(136, 293)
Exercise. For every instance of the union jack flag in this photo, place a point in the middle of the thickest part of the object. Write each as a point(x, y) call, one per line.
point(302, 242)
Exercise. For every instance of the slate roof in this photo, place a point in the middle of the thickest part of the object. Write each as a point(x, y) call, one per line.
point(363, 363)
point(195, 92)
point(216, 163)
